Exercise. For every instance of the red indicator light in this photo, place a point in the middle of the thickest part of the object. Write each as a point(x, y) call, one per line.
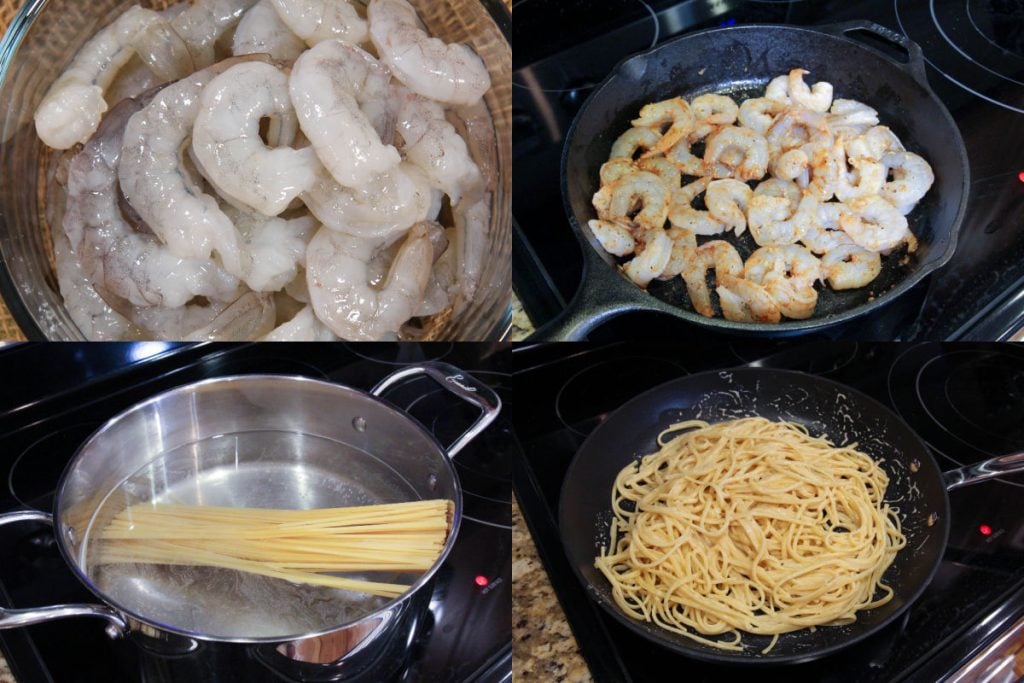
point(481, 581)
point(985, 530)
point(1020, 176)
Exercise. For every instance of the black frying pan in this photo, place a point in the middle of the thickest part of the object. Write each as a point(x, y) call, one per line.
point(825, 407)
point(739, 61)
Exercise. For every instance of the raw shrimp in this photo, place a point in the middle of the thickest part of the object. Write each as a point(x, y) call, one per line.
point(160, 47)
point(227, 145)
point(203, 23)
point(340, 291)
point(874, 224)
point(452, 74)
point(851, 117)
point(337, 91)
point(273, 249)
point(318, 20)
point(382, 209)
point(618, 201)
point(651, 258)
point(683, 241)
point(774, 220)
point(675, 113)
point(912, 177)
point(614, 238)
point(683, 215)
point(753, 160)
point(757, 113)
point(788, 274)
point(824, 234)
point(73, 106)
point(664, 169)
point(710, 113)
point(471, 240)
point(634, 140)
point(304, 326)
point(614, 169)
point(433, 144)
point(262, 31)
point(250, 317)
point(90, 313)
point(849, 267)
point(727, 203)
point(816, 98)
point(745, 301)
point(718, 255)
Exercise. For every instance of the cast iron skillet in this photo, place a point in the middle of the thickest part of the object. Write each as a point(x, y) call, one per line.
point(825, 407)
point(739, 61)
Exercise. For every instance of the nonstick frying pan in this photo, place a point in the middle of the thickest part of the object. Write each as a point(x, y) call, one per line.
point(739, 61)
point(825, 407)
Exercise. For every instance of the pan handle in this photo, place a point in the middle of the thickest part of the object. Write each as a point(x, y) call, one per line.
point(14, 618)
point(972, 474)
point(463, 385)
point(915, 57)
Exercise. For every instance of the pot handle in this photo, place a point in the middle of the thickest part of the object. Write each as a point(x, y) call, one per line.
point(463, 385)
point(915, 57)
point(980, 471)
point(117, 626)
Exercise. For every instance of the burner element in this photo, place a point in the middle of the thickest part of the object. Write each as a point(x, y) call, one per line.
point(35, 472)
point(1001, 21)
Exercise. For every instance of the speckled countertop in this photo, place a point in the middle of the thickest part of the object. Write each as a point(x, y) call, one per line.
point(522, 327)
point(543, 647)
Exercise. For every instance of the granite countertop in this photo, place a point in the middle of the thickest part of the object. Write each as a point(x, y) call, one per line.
point(543, 647)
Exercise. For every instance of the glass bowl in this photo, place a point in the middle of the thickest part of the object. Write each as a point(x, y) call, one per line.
point(41, 40)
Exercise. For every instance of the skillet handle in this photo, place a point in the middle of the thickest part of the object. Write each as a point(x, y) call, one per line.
point(15, 618)
point(463, 385)
point(915, 65)
point(980, 471)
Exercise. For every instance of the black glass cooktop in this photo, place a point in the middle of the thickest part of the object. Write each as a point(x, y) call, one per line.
point(54, 395)
point(965, 401)
point(975, 55)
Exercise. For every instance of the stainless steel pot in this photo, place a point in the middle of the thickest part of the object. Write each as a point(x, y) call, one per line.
point(255, 440)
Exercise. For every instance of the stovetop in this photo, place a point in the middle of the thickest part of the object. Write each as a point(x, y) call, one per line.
point(53, 396)
point(975, 55)
point(965, 401)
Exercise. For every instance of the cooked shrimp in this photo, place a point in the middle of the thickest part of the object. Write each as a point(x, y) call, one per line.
point(825, 171)
point(752, 152)
point(664, 169)
point(684, 159)
point(226, 139)
point(791, 165)
point(614, 238)
point(632, 141)
point(674, 113)
point(727, 202)
point(849, 267)
point(683, 241)
point(874, 224)
point(318, 20)
point(824, 234)
point(788, 274)
point(340, 291)
point(775, 221)
point(816, 98)
point(873, 145)
point(777, 187)
point(912, 177)
point(304, 326)
point(651, 258)
point(745, 301)
point(777, 90)
point(262, 31)
point(795, 128)
point(865, 179)
point(718, 255)
point(613, 169)
point(757, 113)
point(683, 215)
point(618, 201)
point(711, 112)
point(203, 23)
point(452, 74)
point(851, 117)
point(331, 85)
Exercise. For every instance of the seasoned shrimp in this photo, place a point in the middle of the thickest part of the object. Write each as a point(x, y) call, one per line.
point(664, 169)
point(710, 113)
point(788, 274)
point(331, 86)
point(614, 238)
point(614, 169)
point(262, 31)
point(745, 301)
point(791, 165)
point(340, 290)
point(873, 145)
point(203, 23)
point(632, 141)
point(683, 215)
point(912, 177)
point(864, 180)
point(824, 234)
point(816, 98)
point(727, 202)
point(318, 20)
point(618, 201)
point(757, 113)
point(849, 267)
point(651, 258)
point(303, 326)
point(874, 224)
point(674, 113)
point(775, 221)
point(452, 74)
point(851, 117)
point(718, 255)
point(777, 187)
point(683, 241)
point(796, 128)
point(751, 163)
point(227, 145)
point(777, 90)
point(685, 160)
point(73, 106)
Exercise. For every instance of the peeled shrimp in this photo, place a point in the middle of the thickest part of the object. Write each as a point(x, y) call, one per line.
point(616, 202)
point(613, 169)
point(633, 140)
point(664, 169)
point(851, 117)
point(727, 202)
point(710, 113)
point(340, 290)
point(788, 274)
point(745, 301)
point(683, 242)
point(614, 238)
point(912, 177)
point(795, 128)
point(203, 23)
point(757, 113)
point(865, 179)
point(675, 113)
point(303, 326)
point(752, 151)
point(90, 313)
point(226, 139)
point(163, 51)
point(273, 249)
point(774, 220)
point(874, 224)
point(824, 234)
point(849, 267)
point(873, 145)
point(816, 98)
point(452, 74)
point(777, 90)
point(262, 31)
point(250, 317)
point(683, 215)
point(651, 258)
point(318, 20)
point(684, 159)
point(718, 255)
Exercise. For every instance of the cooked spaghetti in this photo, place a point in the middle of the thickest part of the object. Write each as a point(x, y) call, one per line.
point(301, 546)
point(749, 526)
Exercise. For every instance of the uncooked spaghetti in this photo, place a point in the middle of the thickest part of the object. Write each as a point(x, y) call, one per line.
point(749, 526)
point(302, 546)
